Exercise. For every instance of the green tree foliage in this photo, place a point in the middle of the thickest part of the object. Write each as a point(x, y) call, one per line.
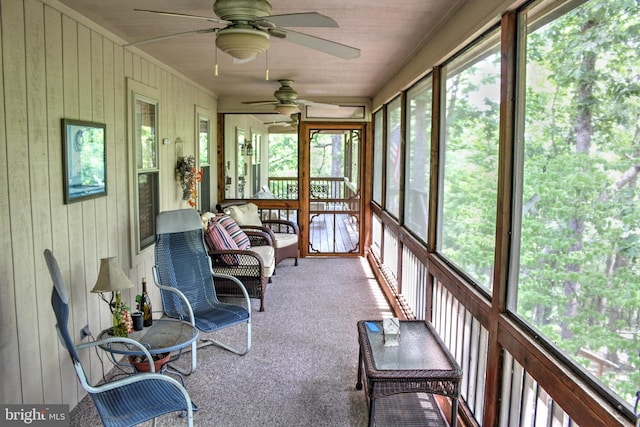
point(283, 155)
point(471, 164)
point(579, 274)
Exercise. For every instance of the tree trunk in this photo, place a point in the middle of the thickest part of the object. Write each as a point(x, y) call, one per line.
point(584, 130)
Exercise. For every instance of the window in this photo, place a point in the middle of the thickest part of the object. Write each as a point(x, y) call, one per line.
point(377, 157)
point(394, 159)
point(145, 189)
point(471, 114)
point(579, 243)
point(418, 158)
point(204, 132)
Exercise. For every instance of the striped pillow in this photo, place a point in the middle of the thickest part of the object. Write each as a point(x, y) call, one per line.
point(218, 239)
point(234, 230)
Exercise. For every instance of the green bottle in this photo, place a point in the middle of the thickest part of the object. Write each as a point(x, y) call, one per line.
point(145, 304)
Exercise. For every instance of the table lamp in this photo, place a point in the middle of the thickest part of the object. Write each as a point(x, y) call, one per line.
point(112, 279)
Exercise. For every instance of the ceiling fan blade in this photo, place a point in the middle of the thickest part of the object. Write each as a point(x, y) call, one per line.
point(309, 19)
point(184, 15)
point(260, 102)
point(323, 45)
point(168, 36)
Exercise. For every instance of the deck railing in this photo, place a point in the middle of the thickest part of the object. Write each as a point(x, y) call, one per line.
point(464, 330)
point(325, 193)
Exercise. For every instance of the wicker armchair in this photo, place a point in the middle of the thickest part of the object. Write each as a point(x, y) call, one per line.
point(253, 266)
point(285, 234)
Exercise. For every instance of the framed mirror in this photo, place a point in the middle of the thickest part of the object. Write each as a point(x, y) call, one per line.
point(260, 158)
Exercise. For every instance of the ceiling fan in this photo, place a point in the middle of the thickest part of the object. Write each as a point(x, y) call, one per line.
point(249, 25)
point(292, 123)
point(287, 101)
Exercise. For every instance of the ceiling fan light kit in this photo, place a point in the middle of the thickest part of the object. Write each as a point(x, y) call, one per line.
point(242, 43)
point(286, 109)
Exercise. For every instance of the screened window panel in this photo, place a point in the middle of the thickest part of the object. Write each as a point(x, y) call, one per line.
point(470, 134)
point(394, 158)
point(579, 238)
point(418, 157)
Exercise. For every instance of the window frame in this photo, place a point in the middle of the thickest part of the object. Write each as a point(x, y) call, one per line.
point(137, 91)
point(394, 105)
point(488, 43)
point(377, 194)
point(530, 17)
point(423, 85)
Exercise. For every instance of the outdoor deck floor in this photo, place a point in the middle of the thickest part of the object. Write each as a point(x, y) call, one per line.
point(333, 232)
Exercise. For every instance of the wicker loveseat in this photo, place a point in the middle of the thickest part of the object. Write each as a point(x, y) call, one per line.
point(285, 234)
point(253, 265)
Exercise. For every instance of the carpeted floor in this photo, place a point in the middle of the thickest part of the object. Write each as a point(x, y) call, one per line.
point(301, 370)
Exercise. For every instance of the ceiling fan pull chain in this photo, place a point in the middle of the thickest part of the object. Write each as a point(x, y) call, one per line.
point(266, 62)
point(215, 57)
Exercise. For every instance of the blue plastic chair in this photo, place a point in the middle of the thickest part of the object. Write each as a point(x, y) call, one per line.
point(183, 273)
point(124, 402)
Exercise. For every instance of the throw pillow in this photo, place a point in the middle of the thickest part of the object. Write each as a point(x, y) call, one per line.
point(234, 230)
point(246, 214)
point(218, 239)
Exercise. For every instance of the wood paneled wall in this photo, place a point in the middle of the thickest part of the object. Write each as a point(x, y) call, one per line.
point(56, 64)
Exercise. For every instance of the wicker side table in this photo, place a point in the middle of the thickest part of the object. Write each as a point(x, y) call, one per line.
point(421, 363)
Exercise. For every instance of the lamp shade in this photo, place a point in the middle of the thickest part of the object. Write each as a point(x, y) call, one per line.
point(242, 43)
point(111, 278)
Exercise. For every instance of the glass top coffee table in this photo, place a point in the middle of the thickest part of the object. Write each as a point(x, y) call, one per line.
point(420, 363)
point(164, 336)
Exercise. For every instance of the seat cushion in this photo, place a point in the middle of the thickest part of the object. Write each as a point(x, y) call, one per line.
point(246, 214)
point(268, 259)
point(284, 240)
point(234, 230)
point(219, 239)
point(268, 262)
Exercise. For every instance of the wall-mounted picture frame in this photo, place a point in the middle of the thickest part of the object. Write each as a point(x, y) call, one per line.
point(85, 160)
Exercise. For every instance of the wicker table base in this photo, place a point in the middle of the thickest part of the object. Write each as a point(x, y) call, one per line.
point(420, 363)
point(409, 410)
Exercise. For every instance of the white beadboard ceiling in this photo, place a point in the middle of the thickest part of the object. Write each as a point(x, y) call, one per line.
point(387, 32)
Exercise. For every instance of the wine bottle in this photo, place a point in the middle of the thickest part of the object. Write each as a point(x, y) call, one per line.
point(146, 305)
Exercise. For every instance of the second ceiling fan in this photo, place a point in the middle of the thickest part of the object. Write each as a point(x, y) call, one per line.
point(248, 25)
point(287, 101)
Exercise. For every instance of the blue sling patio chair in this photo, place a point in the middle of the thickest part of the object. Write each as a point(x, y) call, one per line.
point(127, 401)
point(183, 273)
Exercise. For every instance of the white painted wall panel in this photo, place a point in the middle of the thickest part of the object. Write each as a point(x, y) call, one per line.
point(56, 65)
